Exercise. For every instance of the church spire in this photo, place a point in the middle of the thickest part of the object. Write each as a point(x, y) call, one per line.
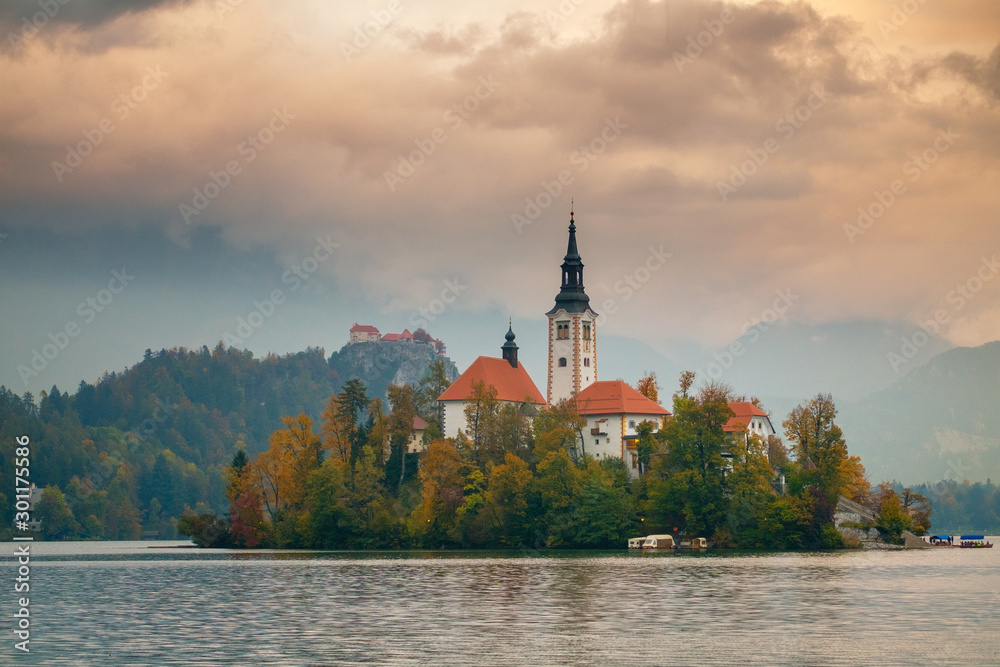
point(572, 298)
point(509, 349)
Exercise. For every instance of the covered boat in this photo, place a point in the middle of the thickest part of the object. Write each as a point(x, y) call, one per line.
point(974, 542)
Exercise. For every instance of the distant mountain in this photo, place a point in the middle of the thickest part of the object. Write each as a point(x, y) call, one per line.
point(941, 421)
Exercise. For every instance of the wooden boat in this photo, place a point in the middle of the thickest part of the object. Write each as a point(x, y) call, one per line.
point(694, 543)
point(974, 542)
point(659, 542)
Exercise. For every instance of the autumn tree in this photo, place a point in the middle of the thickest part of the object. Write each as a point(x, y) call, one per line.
point(892, 518)
point(284, 468)
point(649, 387)
point(338, 429)
point(919, 508)
point(816, 438)
point(686, 382)
point(246, 512)
point(442, 492)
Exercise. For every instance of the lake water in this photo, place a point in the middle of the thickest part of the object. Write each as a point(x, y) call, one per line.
point(123, 603)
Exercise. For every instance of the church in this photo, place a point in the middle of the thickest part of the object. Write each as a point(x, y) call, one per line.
point(613, 409)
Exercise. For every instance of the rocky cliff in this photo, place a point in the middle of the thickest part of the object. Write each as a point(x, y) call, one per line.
point(384, 363)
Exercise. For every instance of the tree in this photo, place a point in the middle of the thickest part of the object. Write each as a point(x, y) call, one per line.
point(246, 512)
point(565, 424)
point(686, 382)
point(605, 516)
point(442, 492)
point(482, 407)
point(506, 431)
point(814, 437)
point(558, 486)
point(892, 519)
point(284, 468)
point(748, 486)
point(687, 489)
point(57, 519)
point(434, 383)
point(507, 499)
point(645, 445)
point(919, 508)
point(401, 423)
point(649, 387)
point(206, 529)
point(326, 524)
point(338, 428)
point(378, 434)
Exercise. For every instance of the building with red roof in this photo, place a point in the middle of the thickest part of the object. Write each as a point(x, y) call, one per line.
point(507, 375)
point(416, 443)
point(747, 419)
point(613, 411)
point(364, 333)
point(405, 337)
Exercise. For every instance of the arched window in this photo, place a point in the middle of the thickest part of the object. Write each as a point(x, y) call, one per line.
point(586, 361)
point(562, 362)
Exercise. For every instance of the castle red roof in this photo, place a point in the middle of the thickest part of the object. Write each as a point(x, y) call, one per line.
point(614, 397)
point(363, 328)
point(395, 337)
point(512, 384)
point(745, 412)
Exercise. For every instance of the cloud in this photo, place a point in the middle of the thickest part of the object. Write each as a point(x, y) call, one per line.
point(478, 120)
point(89, 14)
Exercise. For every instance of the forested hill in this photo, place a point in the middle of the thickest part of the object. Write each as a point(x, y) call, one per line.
point(136, 447)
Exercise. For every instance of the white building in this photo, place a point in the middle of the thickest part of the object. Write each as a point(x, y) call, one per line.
point(364, 333)
point(416, 443)
point(613, 411)
point(507, 375)
point(748, 419)
point(572, 331)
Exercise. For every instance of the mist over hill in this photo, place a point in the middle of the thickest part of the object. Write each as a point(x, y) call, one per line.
point(941, 421)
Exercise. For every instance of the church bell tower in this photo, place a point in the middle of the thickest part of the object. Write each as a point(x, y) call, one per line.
point(572, 330)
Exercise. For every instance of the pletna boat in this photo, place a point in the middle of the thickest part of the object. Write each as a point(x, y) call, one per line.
point(974, 542)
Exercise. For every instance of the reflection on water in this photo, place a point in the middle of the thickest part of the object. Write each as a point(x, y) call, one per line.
point(127, 604)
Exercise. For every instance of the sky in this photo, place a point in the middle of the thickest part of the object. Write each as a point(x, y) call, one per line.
point(813, 182)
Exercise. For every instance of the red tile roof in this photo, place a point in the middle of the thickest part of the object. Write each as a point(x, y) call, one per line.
point(363, 328)
point(614, 397)
point(395, 337)
point(419, 424)
point(512, 384)
point(745, 412)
